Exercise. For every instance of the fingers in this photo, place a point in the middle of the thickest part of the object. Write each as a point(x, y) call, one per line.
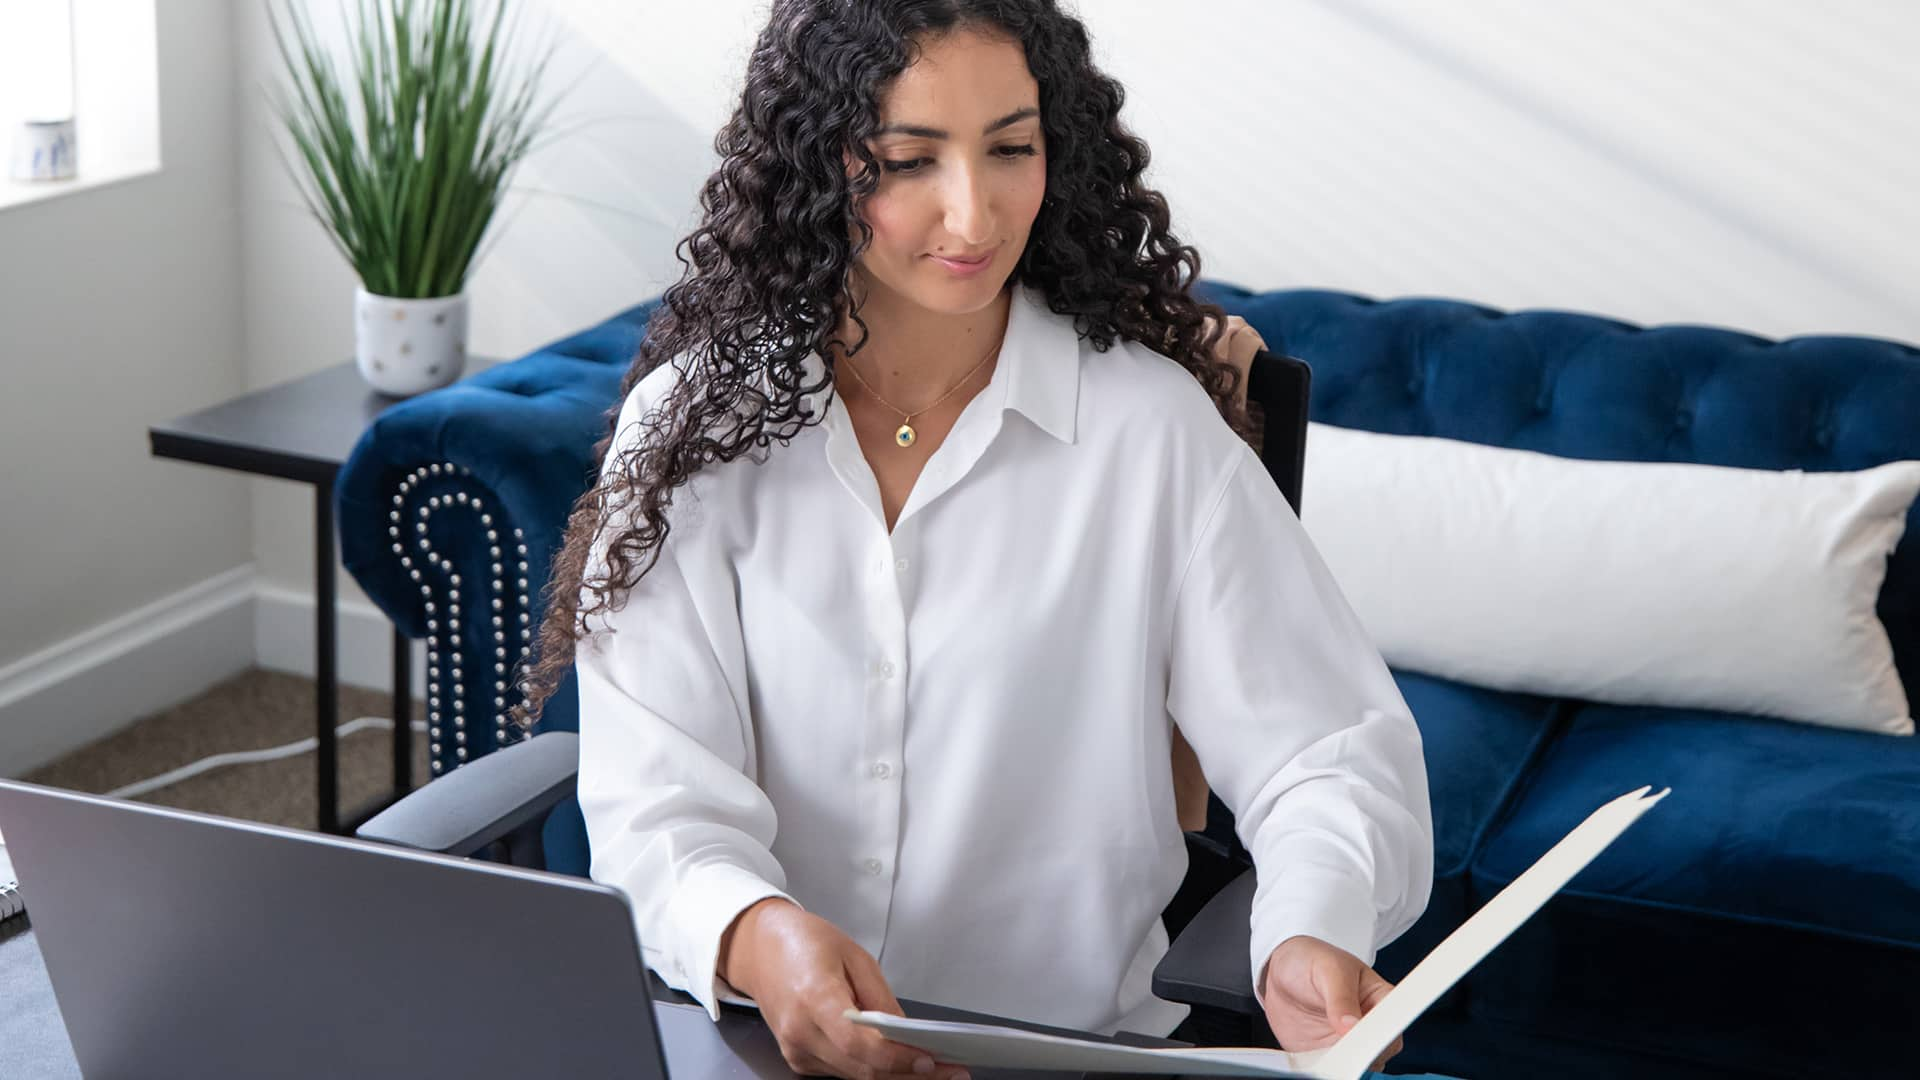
point(1380, 1062)
point(1373, 989)
point(845, 1049)
point(861, 1045)
point(870, 990)
point(863, 1061)
point(1339, 986)
point(864, 1046)
point(821, 975)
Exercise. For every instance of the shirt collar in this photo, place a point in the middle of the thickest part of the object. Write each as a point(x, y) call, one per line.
point(1042, 354)
point(1039, 363)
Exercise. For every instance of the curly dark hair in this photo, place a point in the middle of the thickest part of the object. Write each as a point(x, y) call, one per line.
point(765, 279)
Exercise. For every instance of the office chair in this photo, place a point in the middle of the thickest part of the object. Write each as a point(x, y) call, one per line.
point(496, 807)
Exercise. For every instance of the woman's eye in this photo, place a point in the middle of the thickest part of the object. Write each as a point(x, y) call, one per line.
point(1006, 153)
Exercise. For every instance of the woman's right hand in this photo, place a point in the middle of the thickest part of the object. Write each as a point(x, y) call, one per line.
point(804, 974)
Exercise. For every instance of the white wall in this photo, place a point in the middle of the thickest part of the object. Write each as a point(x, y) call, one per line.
point(1751, 164)
point(120, 307)
point(1748, 164)
point(1743, 164)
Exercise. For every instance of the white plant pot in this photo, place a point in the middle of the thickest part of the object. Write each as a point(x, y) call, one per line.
point(406, 347)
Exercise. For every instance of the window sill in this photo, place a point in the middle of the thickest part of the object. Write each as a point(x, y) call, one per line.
point(18, 193)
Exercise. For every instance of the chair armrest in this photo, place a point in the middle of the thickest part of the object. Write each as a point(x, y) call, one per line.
point(1207, 963)
point(484, 801)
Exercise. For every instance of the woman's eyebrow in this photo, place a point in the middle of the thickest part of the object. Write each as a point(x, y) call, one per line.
point(920, 131)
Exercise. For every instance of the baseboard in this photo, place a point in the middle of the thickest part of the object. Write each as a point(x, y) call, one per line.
point(91, 685)
point(83, 689)
point(283, 640)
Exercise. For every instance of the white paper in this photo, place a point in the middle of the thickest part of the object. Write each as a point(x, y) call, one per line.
point(990, 1046)
point(999, 1047)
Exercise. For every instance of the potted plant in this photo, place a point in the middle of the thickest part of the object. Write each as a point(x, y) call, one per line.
point(406, 177)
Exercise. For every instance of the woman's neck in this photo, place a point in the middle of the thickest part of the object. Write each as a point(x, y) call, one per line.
point(913, 355)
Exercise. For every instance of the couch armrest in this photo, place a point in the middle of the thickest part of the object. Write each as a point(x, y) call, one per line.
point(488, 800)
point(1207, 963)
point(450, 508)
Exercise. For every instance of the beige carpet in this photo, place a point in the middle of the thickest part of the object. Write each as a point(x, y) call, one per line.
point(256, 710)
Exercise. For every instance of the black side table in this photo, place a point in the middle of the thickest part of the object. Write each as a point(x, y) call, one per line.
point(303, 430)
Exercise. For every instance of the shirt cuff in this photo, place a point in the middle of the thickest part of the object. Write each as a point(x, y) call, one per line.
point(702, 907)
point(1334, 907)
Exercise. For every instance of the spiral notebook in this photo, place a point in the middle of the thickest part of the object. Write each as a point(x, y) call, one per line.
point(10, 902)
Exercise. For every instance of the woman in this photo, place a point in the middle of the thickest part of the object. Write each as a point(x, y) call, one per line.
point(891, 707)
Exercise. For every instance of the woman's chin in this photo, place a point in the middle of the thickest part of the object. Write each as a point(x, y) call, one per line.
point(932, 287)
point(954, 294)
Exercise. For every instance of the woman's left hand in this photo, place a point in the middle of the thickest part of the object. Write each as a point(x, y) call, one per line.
point(1316, 992)
point(1237, 346)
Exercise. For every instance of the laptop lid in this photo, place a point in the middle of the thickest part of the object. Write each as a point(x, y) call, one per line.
point(184, 944)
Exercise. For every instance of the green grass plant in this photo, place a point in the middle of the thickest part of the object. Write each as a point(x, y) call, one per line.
point(406, 176)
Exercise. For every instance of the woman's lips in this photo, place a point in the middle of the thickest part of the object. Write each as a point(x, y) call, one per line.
point(958, 266)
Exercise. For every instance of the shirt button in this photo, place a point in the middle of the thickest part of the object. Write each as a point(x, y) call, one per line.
point(886, 670)
point(882, 770)
point(871, 866)
point(900, 564)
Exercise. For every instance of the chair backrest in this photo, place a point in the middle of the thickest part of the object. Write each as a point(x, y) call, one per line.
point(1281, 386)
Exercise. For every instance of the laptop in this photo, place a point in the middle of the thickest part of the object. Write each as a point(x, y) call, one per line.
point(185, 944)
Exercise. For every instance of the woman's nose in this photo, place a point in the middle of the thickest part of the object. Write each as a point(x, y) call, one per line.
point(969, 213)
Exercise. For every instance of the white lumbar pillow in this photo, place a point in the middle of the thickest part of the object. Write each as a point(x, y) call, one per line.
point(1745, 590)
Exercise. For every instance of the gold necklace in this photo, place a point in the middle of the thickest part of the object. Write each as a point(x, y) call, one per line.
point(904, 436)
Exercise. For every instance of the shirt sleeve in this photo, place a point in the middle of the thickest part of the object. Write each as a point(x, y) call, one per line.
point(1300, 729)
point(673, 815)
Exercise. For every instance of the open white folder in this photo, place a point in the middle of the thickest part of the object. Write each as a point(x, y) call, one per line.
point(990, 1046)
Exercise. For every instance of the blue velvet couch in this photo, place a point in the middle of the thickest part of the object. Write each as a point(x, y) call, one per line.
point(1764, 922)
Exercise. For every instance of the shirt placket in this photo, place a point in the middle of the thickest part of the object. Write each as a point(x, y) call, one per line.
point(874, 771)
point(877, 768)
point(877, 772)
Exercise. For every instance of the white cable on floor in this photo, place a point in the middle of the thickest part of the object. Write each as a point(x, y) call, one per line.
point(245, 757)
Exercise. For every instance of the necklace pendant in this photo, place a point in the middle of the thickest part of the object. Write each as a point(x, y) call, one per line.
point(905, 436)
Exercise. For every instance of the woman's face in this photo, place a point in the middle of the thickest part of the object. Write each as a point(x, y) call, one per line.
point(962, 171)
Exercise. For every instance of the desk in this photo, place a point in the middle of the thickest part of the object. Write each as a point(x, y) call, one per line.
point(33, 1039)
point(303, 430)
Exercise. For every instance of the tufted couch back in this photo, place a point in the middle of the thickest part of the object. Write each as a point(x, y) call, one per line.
point(1581, 386)
point(519, 436)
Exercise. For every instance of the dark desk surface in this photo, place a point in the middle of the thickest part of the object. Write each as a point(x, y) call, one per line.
point(33, 1038)
point(302, 429)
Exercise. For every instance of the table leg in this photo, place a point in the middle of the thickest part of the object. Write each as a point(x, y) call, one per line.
point(325, 675)
point(402, 714)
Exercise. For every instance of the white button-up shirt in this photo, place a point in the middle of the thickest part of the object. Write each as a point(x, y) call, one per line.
point(952, 740)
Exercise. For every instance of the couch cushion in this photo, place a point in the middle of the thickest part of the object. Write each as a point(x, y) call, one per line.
point(1478, 744)
point(1768, 820)
point(1778, 880)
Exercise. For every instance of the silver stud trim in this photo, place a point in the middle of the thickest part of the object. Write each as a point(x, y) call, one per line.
point(435, 573)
